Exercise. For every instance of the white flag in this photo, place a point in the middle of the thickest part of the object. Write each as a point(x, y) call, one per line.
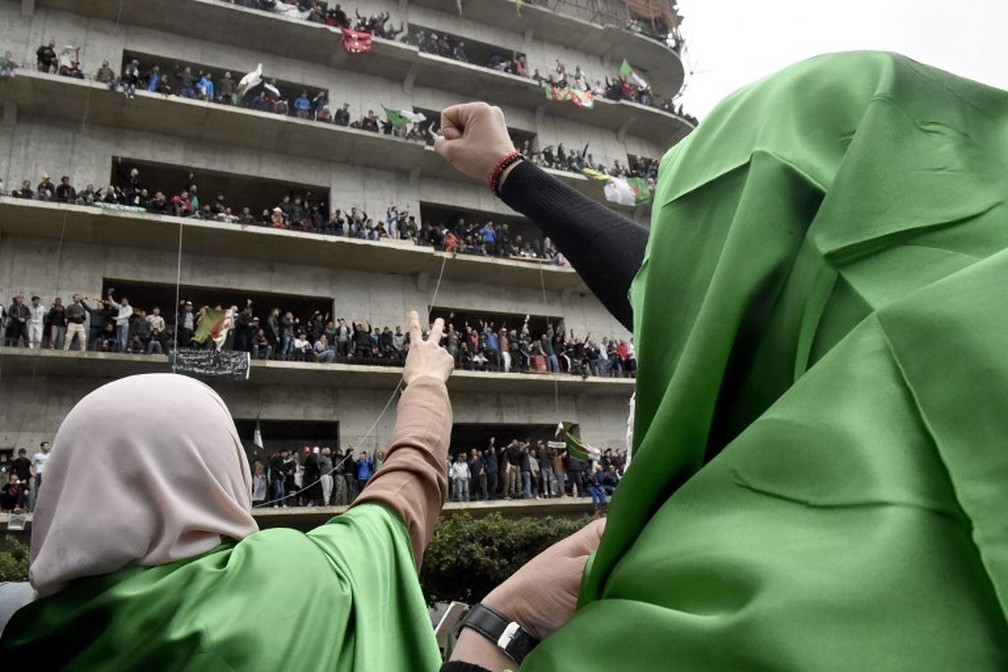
point(618, 190)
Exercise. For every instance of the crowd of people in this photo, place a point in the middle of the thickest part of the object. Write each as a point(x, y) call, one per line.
point(113, 324)
point(523, 471)
point(574, 161)
point(22, 479)
point(302, 211)
point(453, 47)
point(317, 477)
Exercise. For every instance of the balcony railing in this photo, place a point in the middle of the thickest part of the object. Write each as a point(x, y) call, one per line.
point(91, 225)
point(18, 362)
point(44, 95)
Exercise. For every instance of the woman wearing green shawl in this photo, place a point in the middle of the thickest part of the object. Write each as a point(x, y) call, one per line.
point(819, 473)
point(145, 554)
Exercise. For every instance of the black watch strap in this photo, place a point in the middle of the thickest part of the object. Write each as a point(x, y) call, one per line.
point(511, 638)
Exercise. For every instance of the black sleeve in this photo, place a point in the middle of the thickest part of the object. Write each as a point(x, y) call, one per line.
point(604, 247)
point(459, 666)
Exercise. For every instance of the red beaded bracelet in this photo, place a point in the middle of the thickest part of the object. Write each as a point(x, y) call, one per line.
point(508, 160)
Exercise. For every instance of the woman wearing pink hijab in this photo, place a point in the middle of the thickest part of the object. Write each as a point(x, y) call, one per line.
point(145, 554)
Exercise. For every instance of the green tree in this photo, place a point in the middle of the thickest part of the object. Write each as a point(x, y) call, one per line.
point(468, 557)
point(13, 559)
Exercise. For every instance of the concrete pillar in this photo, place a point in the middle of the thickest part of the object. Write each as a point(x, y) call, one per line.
point(621, 133)
point(410, 79)
point(9, 114)
point(27, 7)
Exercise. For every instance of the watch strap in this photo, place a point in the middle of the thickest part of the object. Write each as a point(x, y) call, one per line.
point(511, 638)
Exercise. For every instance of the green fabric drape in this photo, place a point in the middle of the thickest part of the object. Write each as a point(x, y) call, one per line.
point(344, 596)
point(822, 402)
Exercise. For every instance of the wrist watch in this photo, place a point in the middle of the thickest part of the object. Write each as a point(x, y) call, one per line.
point(511, 638)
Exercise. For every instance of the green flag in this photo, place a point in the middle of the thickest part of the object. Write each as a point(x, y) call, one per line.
point(557, 94)
point(396, 118)
point(213, 324)
point(575, 446)
point(639, 186)
point(625, 70)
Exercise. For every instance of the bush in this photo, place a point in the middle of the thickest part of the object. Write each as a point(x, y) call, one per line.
point(468, 557)
point(13, 559)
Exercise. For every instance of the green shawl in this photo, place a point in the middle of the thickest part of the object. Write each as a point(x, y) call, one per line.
point(344, 597)
point(820, 470)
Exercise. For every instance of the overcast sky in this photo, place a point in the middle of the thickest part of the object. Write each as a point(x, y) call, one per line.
point(733, 42)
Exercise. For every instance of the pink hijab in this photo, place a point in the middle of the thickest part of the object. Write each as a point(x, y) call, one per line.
point(147, 470)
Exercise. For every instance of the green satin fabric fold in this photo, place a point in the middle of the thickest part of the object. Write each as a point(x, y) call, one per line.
point(820, 469)
point(343, 597)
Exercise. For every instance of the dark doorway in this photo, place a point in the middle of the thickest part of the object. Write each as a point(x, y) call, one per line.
point(465, 437)
point(146, 295)
point(291, 435)
point(239, 190)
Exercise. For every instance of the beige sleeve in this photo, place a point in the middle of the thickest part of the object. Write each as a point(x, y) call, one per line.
point(413, 481)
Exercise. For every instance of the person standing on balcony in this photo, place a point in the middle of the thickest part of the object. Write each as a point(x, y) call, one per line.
point(36, 322)
point(122, 320)
point(45, 57)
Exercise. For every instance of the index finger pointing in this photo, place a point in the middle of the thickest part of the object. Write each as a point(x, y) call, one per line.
point(414, 327)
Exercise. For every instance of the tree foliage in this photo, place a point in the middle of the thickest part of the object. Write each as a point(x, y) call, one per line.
point(13, 559)
point(468, 557)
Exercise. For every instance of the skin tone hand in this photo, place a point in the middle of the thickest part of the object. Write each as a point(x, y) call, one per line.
point(426, 357)
point(540, 596)
point(474, 138)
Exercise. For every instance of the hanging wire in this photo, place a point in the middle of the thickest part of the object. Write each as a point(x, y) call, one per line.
point(36, 353)
point(388, 404)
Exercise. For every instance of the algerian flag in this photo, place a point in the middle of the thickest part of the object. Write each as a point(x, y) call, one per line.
point(400, 118)
point(583, 99)
point(575, 446)
point(618, 190)
point(553, 93)
point(625, 70)
point(257, 436)
point(214, 325)
point(641, 192)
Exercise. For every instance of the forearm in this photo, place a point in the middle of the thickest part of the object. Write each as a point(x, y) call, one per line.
point(413, 482)
point(604, 247)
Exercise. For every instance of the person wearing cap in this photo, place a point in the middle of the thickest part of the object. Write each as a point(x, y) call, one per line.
point(45, 189)
point(277, 219)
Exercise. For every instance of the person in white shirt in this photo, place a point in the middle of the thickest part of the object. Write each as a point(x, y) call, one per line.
point(459, 475)
point(122, 320)
point(38, 464)
point(36, 320)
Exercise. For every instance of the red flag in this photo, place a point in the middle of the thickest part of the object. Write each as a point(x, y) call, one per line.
point(356, 42)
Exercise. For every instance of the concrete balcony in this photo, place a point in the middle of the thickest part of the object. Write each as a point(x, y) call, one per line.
point(56, 364)
point(94, 225)
point(35, 94)
point(661, 66)
point(311, 42)
point(307, 518)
